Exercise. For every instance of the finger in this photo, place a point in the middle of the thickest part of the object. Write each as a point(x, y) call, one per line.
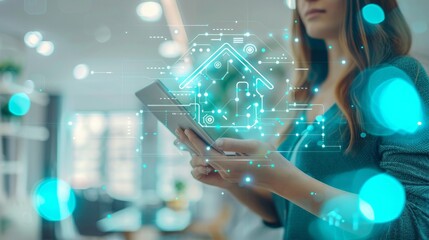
point(181, 146)
point(195, 174)
point(200, 172)
point(197, 161)
point(204, 170)
point(219, 168)
point(232, 176)
point(190, 143)
point(184, 139)
point(225, 176)
point(200, 146)
point(242, 146)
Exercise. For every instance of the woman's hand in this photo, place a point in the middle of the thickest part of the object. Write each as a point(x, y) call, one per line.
point(205, 173)
point(261, 166)
point(201, 170)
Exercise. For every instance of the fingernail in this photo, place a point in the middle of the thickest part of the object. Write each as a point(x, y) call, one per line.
point(177, 131)
point(201, 170)
point(186, 132)
point(208, 170)
point(219, 143)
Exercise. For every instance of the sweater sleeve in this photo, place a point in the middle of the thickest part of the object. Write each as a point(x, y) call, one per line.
point(406, 157)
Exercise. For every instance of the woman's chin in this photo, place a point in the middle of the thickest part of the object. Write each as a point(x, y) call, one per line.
point(321, 33)
point(318, 35)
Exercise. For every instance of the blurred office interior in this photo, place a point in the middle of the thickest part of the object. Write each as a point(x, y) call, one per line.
point(79, 137)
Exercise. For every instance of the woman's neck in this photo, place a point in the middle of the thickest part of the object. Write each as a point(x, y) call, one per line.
point(336, 60)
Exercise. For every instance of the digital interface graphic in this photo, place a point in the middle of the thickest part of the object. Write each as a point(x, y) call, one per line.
point(236, 83)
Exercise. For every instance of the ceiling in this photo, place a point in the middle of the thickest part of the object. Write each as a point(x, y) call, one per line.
point(120, 63)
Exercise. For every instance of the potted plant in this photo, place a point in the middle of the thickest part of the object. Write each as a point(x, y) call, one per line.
point(9, 71)
point(180, 202)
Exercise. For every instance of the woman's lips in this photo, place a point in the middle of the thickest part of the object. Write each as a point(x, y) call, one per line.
point(314, 13)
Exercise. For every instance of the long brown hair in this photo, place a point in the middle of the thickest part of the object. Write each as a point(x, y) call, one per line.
point(365, 46)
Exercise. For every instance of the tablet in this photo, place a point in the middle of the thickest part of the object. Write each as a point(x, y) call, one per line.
point(173, 114)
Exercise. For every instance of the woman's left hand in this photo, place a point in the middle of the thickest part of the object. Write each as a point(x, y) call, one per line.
point(261, 166)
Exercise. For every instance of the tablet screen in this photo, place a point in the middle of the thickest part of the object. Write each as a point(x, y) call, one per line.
point(174, 114)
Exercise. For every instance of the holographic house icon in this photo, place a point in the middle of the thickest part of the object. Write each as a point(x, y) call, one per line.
point(242, 108)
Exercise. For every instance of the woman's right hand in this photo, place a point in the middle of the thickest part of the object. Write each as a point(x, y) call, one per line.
point(204, 173)
point(201, 170)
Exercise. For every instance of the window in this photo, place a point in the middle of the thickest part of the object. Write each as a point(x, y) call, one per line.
point(173, 170)
point(106, 152)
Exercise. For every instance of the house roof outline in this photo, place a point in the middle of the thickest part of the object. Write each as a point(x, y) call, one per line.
point(226, 47)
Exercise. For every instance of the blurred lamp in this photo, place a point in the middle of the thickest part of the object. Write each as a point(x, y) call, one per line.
point(170, 49)
point(45, 48)
point(81, 71)
point(33, 39)
point(149, 11)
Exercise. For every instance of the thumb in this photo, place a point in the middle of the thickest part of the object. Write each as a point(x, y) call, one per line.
point(241, 146)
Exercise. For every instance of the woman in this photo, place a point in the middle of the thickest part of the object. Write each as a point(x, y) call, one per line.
point(304, 186)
